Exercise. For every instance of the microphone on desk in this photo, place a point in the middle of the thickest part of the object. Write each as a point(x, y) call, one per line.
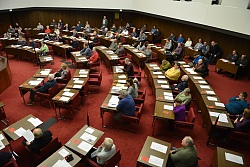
point(87, 112)
point(212, 130)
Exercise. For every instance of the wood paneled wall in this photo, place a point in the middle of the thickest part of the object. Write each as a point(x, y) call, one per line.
point(31, 17)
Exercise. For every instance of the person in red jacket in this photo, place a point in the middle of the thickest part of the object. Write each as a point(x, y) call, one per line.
point(94, 56)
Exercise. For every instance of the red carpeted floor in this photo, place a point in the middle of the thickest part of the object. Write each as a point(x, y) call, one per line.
point(129, 143)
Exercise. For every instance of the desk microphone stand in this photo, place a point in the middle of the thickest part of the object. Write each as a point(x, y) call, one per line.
point(88, 123)
point(212, 131)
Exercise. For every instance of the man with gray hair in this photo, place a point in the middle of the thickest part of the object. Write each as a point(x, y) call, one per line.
point(182, 85)
point(125, 106)
point(128, 67)
point(105, 151)
point(184, 156)
point(43, 89)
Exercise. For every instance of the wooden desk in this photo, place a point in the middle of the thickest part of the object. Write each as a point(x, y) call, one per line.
point(161, 113)
point(219, 159)
point(82, 87)
point(56, 157)
point(5, 74)
point(77, 139)
point(42, 73)
point(10, 50)
point(45, 59)
point(147, 151)
point(118, 69)
point(227, 66)
point(78, 60)
point(191, 52)
point(7, 42)
point(24, 123)
point(26, 86)
point(137, 56)
point(105, 41)
point(159, 95)
point(110, 58)
point(119, 76)
point(130, 40)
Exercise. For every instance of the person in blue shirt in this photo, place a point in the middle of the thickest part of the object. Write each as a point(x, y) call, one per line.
point(125, 106)
point(237, 104)
point(78, 28)
point(197, 57)
point(86, 51)
point(180, 39)
point(134, 34)
point(153, 30)
point(44, 89)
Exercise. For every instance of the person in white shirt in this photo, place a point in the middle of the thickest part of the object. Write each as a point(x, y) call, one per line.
point(125, 32)
point(188, 43)
point(39, 26)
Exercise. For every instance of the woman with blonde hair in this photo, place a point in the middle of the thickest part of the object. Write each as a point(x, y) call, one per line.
point(62, 72)
point(242, 123)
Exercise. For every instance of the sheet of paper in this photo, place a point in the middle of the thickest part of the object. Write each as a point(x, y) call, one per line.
point(1, 137)
point(61, 163)
point(156, 68)
point(168, 107)
point(169, 97)
point(77, 86)
point(88, 137)
point(69, 94)
point(63, 152)
point(48, 58)
point(66, 90)
point(223, 118)
point(210, 92)
point(157, 72)
point(161, 76)
point(165, 86)
point(204, 86)
point(79, 82)
point(85, 146)
point(122, 81)
point(28, 135)
point(162, 81)
point(35, 121)
point(186, 65)
point(63, 98)
point(219, 104)
point(197, 77)
point(155, 161)
point(182, 62)
point(19, 132)
point(83, 72)
point(34, 83)
point(90, 130)
point(44, 72)
point(234, 158)
point(159, 147)
point(153, 65)
point(168, 94)
point(83, 76)
point(202, 82)
point(211, 98)
point(122, 76)
point(2, 146)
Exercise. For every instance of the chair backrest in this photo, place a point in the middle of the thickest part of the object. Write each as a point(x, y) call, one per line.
point(100, 77)
point(113, 161)
point(139, 111)
point(144, 93)
point(53, 90)
point(68, 76)
point(50, 148)
point(154, 55)
point(50, 48)
point(191, 115)
point(11, 163)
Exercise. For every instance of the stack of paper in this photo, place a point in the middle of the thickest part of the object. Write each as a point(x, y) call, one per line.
point(83, 72)
point(157, 72)
point(114, 57)
point(35, 83)
point(165, 86)
point(211, 98)
point(197, 77)
point(48, 58)
point(122, 81)
point(204, 86)
point(219, 104)
point(63, 98)
point(186, 65)
point(88, 138)
point(77, 86)
point(1, 143)
point(210, 92)
point(159, 147)
point(89, 130)
point(222, 116)
point(35, 121)
point(44, 72)
point(153, 65)
point(122, 76)
point(63, 152)
point(113, 102)
point(155, 161)
point(156, 68)
point(182, 62)
point(69, 94)
point(79, 82)
point(85, 146)
point(61, 163)
point(202, 82)
point(19, 132)
point(161, 76)
point(162, 81)
point(28, 135)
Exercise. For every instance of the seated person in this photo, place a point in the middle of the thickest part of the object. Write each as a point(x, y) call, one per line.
point(94, 37)
point(233, 57)
point(132, 88)
point(39, 26)
point(165, 65)
point(105, 151)
point(168, 45)
point(86, 50)
point(43, 89)
point(66, 27)
point(47, 29)
point(174, 72)
point(44, 48)
point(204, 49)
point(32, 43)
point(237, 104)
point(74, 43)
point(128, 67)
point(185, 156)
point(21, 41)
point(113, 28)
point(134, 34)
point(156, 35)
point(242, 123)
point(172, 37)
point(74, 33)
point(182, 85)
point(141, 46)
point(53, 23)
point(46, 37)
point(197, 57)
point(84, 35)
point(242, 61)
point(56, 31)
point(117, 36)
point(185, 96)
point(105, 31)
point(124, 32)
point(188, 43)
point(215, 53)
point(201, 68)
point(177, 52)
point(41, 140)
point(119, 30)
point(78, 27)
point(199, 45)
point(148, 53)
point(142, 37)
point(120, 49)
point(125, 106)
point(179, 110)
point(109, 34)
point(62, 72)
point(180, 39)
point(5, 157)
point(61, 39)
point(94, 57)
point(7, 35)
point(11, 30)
point(113, 46)
point(153, 30)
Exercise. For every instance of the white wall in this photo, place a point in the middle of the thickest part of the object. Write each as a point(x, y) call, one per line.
point(230, 15)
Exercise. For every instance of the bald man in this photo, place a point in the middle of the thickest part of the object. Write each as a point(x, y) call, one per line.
point(40, 141)
point(184, 156)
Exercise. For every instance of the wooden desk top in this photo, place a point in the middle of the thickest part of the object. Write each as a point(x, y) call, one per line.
point(105, 103)
point(26, 84)
point(163, 113)
point(220, 123)
point(219, 158)
point(160, 95)
point(47, 58)
point(74, 142)
point(211, 104)
point(81, 73)
point(147, 151)
point(57, 156)
point(75, 82)
point(118, 69)
point(152, 67)
point(60, 95)
point(24, 123)
point(41, 73)
point(197, 80)
point(4, 140)
point(161, 84)
point(118, 76)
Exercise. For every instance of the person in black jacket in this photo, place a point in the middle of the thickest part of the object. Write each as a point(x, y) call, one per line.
point(40, 141)
point(215, 53)
point(182, 85)
point(5, 158)
point(128, 67)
